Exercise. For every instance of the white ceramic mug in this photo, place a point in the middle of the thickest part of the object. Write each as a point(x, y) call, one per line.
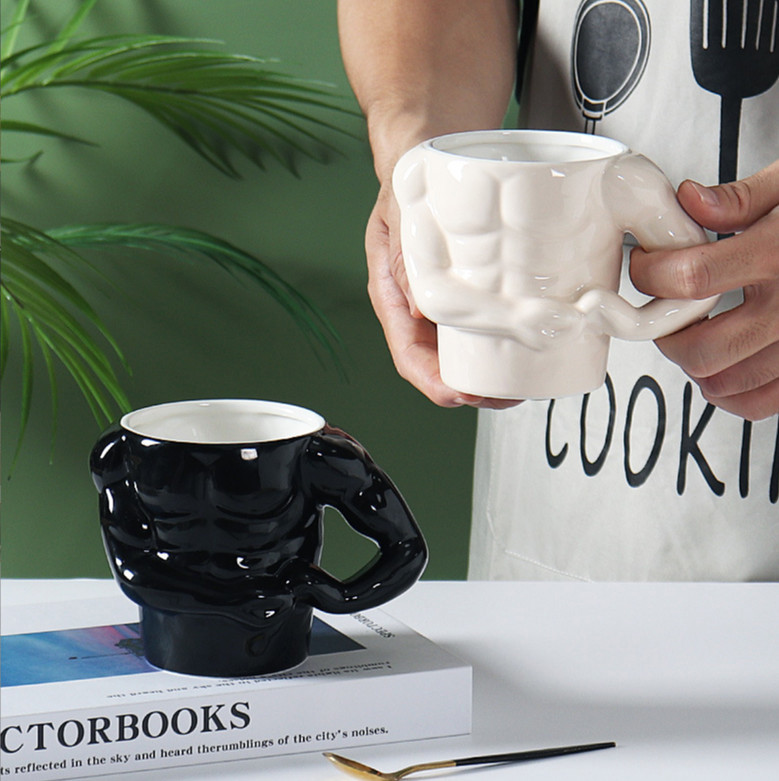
point(512, 241)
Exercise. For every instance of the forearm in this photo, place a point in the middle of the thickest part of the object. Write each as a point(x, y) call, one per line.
point(421, 68)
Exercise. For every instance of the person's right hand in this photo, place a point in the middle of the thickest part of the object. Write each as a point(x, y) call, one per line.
point(411, 338)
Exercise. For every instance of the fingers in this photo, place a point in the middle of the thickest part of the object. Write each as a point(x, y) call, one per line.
point(749, 389)
point(412, 340)
point(414, 350)
point(751, 257)
point(734, 356)
point(733, 206)
point(410, 337)
point(755, 405)
point(712, 346)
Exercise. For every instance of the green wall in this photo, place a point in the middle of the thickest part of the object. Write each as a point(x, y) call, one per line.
point(189, 331)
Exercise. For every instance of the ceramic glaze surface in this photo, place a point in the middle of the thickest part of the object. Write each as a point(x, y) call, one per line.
point(512, 242)
point(219, 542)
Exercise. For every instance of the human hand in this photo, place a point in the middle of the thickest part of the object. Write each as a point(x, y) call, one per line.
point(420, 70)
point(734, 356)
point(411, 338)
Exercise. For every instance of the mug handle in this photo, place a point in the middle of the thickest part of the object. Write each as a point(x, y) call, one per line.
point(341, 474)
point(643, 202)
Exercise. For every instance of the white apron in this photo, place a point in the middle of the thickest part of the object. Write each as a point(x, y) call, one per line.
point(640, 480)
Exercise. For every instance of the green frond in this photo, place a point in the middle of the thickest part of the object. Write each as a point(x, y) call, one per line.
point(5, 324)
point(15, 126)
point(72, 25)
point(220, 105)
point(56, 317)
point(189, 244)
point(225, 108)
point(22, 160)
point(27, 377)
point(12, 30)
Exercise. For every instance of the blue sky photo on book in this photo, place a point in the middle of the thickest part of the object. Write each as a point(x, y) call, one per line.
point(105, 651)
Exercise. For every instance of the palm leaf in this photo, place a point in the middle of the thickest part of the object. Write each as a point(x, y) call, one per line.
point(72, 25)
point(51, 306)
point(40, 130)
point(5, 324)
point(188, 243)
point(219, 104)
point(10, 32)
point(51, 314)
point(11, 125)
point(222, 106)
point(27, 377)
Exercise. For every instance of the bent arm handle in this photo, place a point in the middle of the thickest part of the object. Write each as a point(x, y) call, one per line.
point(440, 294)
point(613, 315)
point(644, 203)
point(342, 475)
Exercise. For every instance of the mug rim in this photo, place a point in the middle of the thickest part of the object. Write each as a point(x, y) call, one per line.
point(146, 422)
point(603, 146)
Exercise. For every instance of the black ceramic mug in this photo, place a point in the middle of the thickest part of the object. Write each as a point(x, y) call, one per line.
point(211, 513)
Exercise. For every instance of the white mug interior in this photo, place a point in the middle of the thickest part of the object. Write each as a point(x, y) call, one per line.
point(222, 421)
point(518, 146)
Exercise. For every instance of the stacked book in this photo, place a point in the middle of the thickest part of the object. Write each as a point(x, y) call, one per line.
point(80, 700)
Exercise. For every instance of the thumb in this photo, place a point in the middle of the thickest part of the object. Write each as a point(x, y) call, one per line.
point(734, 206)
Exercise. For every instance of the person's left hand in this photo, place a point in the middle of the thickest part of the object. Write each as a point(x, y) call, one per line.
point(734, 356)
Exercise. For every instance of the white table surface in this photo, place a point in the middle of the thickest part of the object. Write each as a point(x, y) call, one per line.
point(684, 677)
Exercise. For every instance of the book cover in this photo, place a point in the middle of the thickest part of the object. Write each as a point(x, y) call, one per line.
point(80, 700)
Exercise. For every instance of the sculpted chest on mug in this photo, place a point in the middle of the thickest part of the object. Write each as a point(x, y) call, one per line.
point(506, 236)
point(223, 501)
